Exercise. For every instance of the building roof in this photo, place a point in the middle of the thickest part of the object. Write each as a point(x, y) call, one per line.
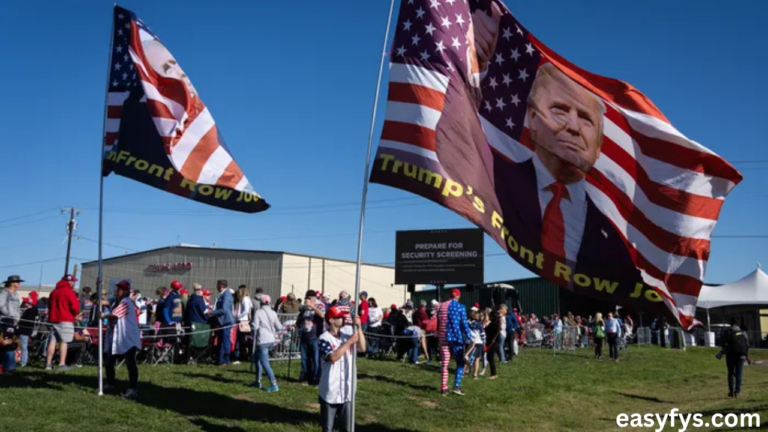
point(230, 250)
point(752, 289)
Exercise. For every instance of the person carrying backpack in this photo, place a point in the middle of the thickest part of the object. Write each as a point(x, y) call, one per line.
point(736, 349)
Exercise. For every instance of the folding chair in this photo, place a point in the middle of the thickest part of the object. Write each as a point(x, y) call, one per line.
point(164, 348)
point(199, 343)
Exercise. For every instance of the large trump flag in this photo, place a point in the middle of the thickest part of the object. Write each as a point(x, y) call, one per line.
point(580, 178)
point(158, 130)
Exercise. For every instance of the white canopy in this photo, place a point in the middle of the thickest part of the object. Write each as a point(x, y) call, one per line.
point(749, 290)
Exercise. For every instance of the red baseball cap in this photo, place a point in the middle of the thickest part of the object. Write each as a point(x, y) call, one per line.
point(206, 292)
point(455, 293)
point(183, 291)
point(123, 284)
point(176, 285)
point(335, 312)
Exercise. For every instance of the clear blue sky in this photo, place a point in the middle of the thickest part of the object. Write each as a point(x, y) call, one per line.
point(291, 84)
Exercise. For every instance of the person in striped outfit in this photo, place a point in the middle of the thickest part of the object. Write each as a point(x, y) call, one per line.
point(454, 333)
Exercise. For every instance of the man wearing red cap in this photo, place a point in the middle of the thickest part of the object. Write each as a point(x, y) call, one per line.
point(173, 309)
point(337, 346)
point(454, 333)
point(63, 307)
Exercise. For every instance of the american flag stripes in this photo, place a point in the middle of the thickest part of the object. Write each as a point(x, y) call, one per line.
point(660, 191)
point(144, 70)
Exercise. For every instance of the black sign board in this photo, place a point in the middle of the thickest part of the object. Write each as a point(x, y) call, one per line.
point(439, 257)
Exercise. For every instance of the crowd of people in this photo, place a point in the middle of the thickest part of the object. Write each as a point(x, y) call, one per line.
point(328, 332)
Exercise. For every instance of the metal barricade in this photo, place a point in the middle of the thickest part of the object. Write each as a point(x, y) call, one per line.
point(569, 339)
point(287, 343)
point(644, 336)
point(534, 335)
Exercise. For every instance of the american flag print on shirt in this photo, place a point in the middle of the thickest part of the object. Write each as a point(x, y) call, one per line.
point(464, 129)
point(157, 129)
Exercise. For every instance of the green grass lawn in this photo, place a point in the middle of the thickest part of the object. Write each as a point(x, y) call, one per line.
point(538, 392)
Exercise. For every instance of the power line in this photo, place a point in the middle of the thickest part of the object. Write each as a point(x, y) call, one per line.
point(27, 222)
point(108, 244)
point(31, 263)
point(27, 215)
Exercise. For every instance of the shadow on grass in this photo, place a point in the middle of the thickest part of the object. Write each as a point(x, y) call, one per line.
point(192, 403)
point(389, 380)
point(215, 378)
point(645, 398)
point(212, 427)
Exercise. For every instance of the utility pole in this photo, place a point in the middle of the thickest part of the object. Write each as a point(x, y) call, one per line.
point(71, 227)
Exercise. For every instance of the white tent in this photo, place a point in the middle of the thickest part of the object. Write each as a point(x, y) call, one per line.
point(752, 289)
point(749, 290)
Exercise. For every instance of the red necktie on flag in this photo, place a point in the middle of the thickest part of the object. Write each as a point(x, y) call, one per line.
point(553, 226)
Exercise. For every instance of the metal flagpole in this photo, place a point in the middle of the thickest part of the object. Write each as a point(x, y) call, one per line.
point(99, 277)
point(362, 210)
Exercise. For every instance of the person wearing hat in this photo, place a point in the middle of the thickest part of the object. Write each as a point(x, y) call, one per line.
point(267, 325)
point(345, 306)
point(336, 351)
point(196, 307)
point(453, 333)
point(291, 305)
point(122, 339)
point(63, 307)
point(71, 279)
point(207, 299)
point(10, 301)
point(223, 313)
point(173, 310)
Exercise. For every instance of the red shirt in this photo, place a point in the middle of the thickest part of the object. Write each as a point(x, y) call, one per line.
point(63, 306)
point(363, 312)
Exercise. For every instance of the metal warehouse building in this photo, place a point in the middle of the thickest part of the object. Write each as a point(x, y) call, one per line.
point(278, 273)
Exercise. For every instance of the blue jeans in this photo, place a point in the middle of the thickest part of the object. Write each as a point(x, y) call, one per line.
point(225, 346)
point(24, 339)
point(413, 350)
point(8, 360)
point(310, 361)
point(372, 341)
point(735, 365)
point(263, 353)
point(501, 340)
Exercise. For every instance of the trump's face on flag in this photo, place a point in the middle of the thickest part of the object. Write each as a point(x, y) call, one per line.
point(163, 62)
point(566, 124)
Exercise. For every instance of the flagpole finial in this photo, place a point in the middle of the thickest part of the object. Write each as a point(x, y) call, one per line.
point(758, 265)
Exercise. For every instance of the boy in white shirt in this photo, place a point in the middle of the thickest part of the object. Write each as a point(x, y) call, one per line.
point(336, 347)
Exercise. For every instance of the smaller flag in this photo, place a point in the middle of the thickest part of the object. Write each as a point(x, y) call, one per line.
point(158, 130)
